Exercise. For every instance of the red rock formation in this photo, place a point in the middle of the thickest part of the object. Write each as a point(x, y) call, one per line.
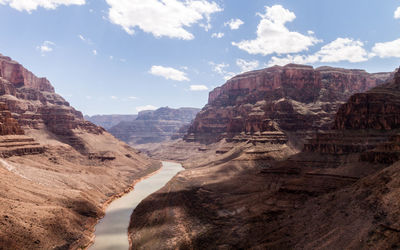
point(287, 99)
point(59, 176)
point(34, 104)
point(16, 74)
point(340, 192)
point(8, 125)
point(377, 109)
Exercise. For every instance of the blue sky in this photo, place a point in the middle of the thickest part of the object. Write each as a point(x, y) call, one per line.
point(118, 57)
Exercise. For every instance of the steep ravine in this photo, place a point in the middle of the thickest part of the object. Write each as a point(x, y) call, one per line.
point(112, 230)
point(57, 170)
point(341, 191)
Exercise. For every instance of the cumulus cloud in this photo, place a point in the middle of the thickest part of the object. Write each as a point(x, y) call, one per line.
point(342, 49)
point(147, 107)
point(247, 65)
point(94, 52)
point(387, 49)
point(169, 18)
point(234, 24)
point(397, 13)
point(169, 73)
point(220, 68)
point(30, 5)
point(217, 35)
point(274, 37)
point(198, 88)
point(46, 47)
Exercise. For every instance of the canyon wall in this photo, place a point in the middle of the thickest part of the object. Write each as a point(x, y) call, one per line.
point(293, 98)
point(339, 192)
point(155, 126)
point(57, 171)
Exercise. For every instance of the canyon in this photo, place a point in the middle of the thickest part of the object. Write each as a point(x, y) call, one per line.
point(279, 100)
point(152, 127)
point(108, 121)
point(57, 170)
point(286, 157)
point(260, 187)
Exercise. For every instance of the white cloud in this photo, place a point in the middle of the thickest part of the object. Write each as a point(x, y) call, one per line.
point(161, 17)
point(132, 98)
point(147, 107)
point(342, 49)
point(234, 24)
point(220, 69)
point(274, 37)
point(46, 47)
point(94, 52)
point(30, 5)
point(114, 97)
point(397, 13)
point(217, 35)
point(198, 88)
point(387, 49)
point(229, 75)
point(247, 65)
point(169, 73)
point(84, 39)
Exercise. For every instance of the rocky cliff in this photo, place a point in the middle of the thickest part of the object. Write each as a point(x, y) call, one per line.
point(109, 121)
point(155, 126)
point(17, 75)
point(34, 104)
point(285, 99)
point(57, 171)
point(339, 192)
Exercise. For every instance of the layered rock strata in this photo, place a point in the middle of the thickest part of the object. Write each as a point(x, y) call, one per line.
point(340, 192)
point(34, 104)
point(57, 171)
point(293, 98)
point(155, 126)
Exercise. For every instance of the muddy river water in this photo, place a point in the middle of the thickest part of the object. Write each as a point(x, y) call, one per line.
point(112, 231)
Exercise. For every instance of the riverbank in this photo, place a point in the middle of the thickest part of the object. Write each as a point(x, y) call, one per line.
point(152, 170)
point(112, 230)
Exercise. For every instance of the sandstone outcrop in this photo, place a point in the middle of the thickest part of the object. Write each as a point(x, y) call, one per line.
point(293, 98)
point(340, 192)
point(17, 75)
point(8, 125)
point(57, 171)
point(34, 104)
point(155, 126)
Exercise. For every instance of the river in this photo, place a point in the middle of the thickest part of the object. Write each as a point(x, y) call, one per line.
point(112, 231)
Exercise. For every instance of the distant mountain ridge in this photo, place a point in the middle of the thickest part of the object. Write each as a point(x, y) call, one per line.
point(155, 126)
point(108, 121)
